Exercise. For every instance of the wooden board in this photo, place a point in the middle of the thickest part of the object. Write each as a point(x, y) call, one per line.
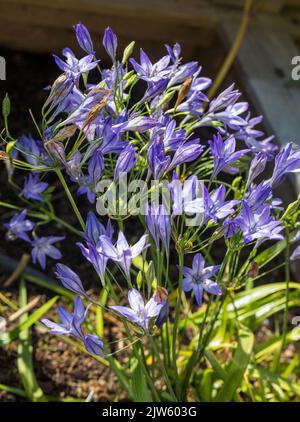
point(44, 26)
point(273, 6)
point(264, 65)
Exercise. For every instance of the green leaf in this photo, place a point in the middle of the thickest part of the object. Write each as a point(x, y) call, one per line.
point(270, 253)
point(238, 366)
point(140, 389)
point(24, 361)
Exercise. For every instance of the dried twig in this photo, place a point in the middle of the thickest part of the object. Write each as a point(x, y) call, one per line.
point(24, 261)
point(32, 304)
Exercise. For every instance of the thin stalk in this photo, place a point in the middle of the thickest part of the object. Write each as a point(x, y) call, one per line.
point(175, 326)
point(71, 199)
point(163, 369)
point(233, 50)
point(286, 309)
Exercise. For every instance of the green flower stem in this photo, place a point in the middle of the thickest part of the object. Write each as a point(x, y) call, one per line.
point(136, 348)
point(175, 326)
point(70, 197)
point(286, 309)
point(194, 358)
point(163, 369)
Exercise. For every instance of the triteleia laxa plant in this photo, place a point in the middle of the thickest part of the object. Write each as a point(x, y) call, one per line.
point(174, 214)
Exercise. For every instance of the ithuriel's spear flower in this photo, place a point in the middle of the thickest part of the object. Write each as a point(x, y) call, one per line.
point(224, 153)
point(94, 229)
point(95, 255)
point(198, 278)
point(74, 67)
point(19, 225)
point(33, 188)
point(258, 225)
point(139, 312)
point(148, 71)
point(159, 225)
point(110, 43)
point(84, 38)
point(71, 325)
point(257, 166)
point(69, 279)
point(215, 205)
point(125, 162)
point(121, 252)
point(286, 161)
point(43, 247)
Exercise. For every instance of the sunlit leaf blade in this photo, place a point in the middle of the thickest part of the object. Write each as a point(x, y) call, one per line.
point(238, 366)
point(24, 361)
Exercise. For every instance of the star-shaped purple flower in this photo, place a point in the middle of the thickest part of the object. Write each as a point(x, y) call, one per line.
point(43, 247)
point(33, 188)
point(19, 225)
point(198, 278)
point(139, 312)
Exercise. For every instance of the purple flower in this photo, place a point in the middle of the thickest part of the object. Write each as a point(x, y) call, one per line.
point(84, 38)
point(93, 344)
point(157, 160)
point(110, 140)
point(215, 206)
point(171, 136)
point(148, 71)
point(87, 188)
point(257, 166)
point(198, 278)
point(159, 225)
point(95, 255)
point(125, 162)
point(19, 225)
point(74, 67)
point(94, 229)
point(73, 166)
point(71, 325)
point(186, 153)
point(122, 253)
point(230, 227)
point(224, 153)
point(183, 72)
point(228, 97)
point(258, 225)
point(69, 279)
point(286, 161)
point(136, 124)
point(163, 315)
point(258, 195)
point(110, 43)
point(230, 117)
point(186, 198)
point(33, 151)
point(154, 89)
point(33, 188)
point(43, 247)
point(139, 312)
point(96, 167)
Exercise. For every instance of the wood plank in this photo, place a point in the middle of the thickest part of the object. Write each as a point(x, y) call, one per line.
point(139, 29)
point(270, 6)
point(264, 65)
point(194, 12)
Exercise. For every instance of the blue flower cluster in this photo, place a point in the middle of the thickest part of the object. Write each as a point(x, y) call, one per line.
point(96, 131)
